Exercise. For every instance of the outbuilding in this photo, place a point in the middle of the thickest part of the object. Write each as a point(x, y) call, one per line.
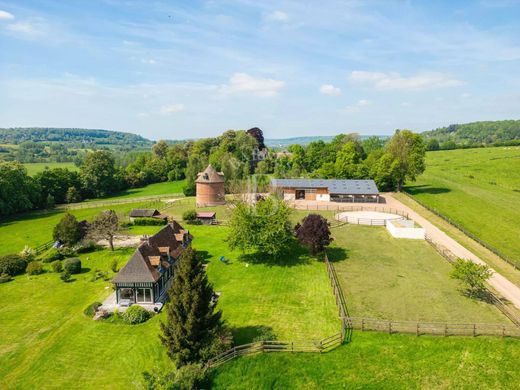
point(207, 217)
point(326, 190)
point(146, 213)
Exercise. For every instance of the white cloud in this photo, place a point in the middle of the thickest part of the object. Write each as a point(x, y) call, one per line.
point(244, 83)
point(21, 27)
point(172, 109)
point(150, 61)
point(356, 107)
point(329, 89)
point(277, 16)
point(389, 81)
point(4, 15)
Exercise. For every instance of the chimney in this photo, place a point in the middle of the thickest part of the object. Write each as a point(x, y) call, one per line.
point(144, 239)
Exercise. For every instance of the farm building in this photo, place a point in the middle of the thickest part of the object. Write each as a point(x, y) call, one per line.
point(326, 190)
point(207, 217)
point(147, 276)
point(146, 213)
point(210, 188)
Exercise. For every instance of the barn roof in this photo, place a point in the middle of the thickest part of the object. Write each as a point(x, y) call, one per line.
point(210, 175)
point(206, 214)
point(334, 186)
point(144, 213)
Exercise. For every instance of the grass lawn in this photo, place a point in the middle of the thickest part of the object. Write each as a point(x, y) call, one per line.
point(477, 188)
point(35, 228)
point(34, 168)
point(156, 189)
point(381, 361)
point(400, 279)
point(47, 342)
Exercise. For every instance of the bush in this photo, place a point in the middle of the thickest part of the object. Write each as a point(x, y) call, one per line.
point(135, 314)
point(86, 247)
point(191, 376)
point(68, 230)
point(34, 268)
point(189, 216)
point(72, 265)
point(149, 222)
point(66, 252)
point(51, 255)
point(98, 274)
point(57, 266)
point(91, 309)
point(28, 254)
point(4, 278)
point(65, 276)
point(12, 265)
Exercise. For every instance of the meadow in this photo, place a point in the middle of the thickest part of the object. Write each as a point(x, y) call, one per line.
point(478, 189)
point(156, 189)
point(34, 168)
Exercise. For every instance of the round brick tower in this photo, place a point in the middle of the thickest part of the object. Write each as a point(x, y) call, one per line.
point(210, 187)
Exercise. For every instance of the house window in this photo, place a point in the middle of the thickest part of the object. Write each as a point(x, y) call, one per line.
point(144, 295)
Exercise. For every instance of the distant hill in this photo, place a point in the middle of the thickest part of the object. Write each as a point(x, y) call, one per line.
point(477, 134)
point(73, 138)
point(285, 142)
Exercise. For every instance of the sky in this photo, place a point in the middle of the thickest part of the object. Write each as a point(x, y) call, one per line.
point(189, 69)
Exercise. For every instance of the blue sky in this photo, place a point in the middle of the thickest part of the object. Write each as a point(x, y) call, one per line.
point(187, 69)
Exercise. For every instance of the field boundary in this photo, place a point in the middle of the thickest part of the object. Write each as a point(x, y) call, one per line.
point(305, 346)
point(465, 231)
point(88, 205)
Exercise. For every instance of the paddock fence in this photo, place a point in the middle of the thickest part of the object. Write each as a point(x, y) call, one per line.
point(88, 205)
point(344, 207)
point(458, 226)
point(434, 328)
point(490, 296)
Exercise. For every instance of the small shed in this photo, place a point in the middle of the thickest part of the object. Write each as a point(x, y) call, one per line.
point(146, 213)
point(207, 217)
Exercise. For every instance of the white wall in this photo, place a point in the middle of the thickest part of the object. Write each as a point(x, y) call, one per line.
point(289, 196)
point(405, 232)
point(323, 197)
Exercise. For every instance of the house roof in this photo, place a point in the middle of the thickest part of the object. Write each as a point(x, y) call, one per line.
point(334, 186)
point(206, 214)
point(210, 175)
point(142, 265)
point(144, 213)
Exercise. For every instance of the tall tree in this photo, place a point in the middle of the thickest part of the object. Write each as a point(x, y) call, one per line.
point(408, 150)
point(347, 161)
point(314, 233)
point(18, 191)
point(192, 325)
point(160, 149)
point(104, 226)
point(98, 173)
point(68, 230)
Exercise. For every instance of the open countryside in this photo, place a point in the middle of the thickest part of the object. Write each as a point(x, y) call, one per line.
point(456, 183)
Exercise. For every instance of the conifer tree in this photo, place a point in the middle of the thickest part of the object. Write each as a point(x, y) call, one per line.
point(192, 326)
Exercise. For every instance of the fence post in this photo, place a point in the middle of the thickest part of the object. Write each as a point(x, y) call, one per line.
point(474, 330)
point(362, 324)
point(503, 330)
point(417, 331)
point(445, 330)
point(389, 327)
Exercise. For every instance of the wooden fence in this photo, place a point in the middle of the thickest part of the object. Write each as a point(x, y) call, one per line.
point(489, 247)
point(343, 207)
point(88, 205)
point(434, 328)
point(493, 298)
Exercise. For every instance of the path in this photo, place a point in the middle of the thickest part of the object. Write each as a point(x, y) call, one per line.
point(503, 286)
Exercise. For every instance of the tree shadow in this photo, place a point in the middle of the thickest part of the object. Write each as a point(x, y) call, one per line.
point(482, 295)
point(336, 254)
point(84, 270)
point(293, 255)
point(426, 189)
point(250, 334)
point(203, 256)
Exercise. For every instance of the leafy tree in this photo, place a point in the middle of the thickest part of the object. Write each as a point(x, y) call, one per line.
point(408, 150)
point(314, 233)
point(373, 143)
point(473, 275)
point(104, 226)
point(433, 144)
point(160, 149)
point(72, 195)
point(50, 202)
point(68, 230)
point(263, 227)
point(56, 182)
point(347, 161)
point(192, 326)
point(18, 191)
point(98, 173)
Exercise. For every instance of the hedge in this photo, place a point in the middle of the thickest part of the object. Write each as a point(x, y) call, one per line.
point(149, 222)
point(72, 265)
point(12, 265)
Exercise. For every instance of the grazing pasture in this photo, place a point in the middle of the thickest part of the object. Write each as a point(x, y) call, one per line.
point(156, 189)
point(400, 279)
point(478, 189)
point(34, 168)
point(381, 361)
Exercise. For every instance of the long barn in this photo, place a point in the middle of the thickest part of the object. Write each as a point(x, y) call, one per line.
point(332, 190)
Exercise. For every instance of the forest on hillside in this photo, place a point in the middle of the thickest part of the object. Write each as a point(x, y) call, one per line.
point(475, 134)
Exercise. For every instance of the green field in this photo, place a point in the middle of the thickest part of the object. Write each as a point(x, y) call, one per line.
point(34, 168)
point(380, 361)
point(388, 278)
point(479, 189)
point(156, 189)
point(46, 341)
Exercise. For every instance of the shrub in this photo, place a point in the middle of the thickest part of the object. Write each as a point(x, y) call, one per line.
point(68, 230)
point(189, 215)
point(34, 268)
point(72, 265)
point(86, 247)
point(191, 376)
point(57, 266)
point(135, 314)
point(149, 222)
point(66, 252)
point(51, 255)
point(98, 274)
point(65, 276)
point(12, 265)
point(113, 266)
point(473, 275)
point(4, 278)
point(28, 254)
point(91, 309)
